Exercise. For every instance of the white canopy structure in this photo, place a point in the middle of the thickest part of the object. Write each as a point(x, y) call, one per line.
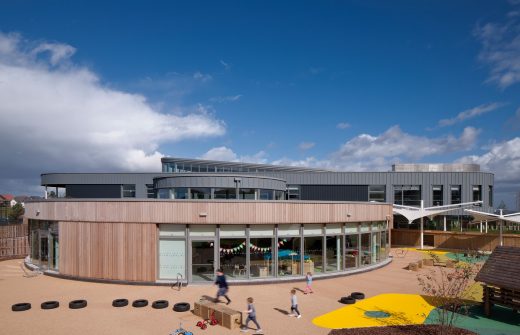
point(414, 213)
point(501, 218)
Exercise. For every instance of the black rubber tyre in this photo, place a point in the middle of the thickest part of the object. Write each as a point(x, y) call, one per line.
point(347, 300)
point(20, 307)
point(77, 304)
point(120, 302)
point(160, 304)
point(140, 303)
point(181, 307)
point(357, 295)
point(50, 304)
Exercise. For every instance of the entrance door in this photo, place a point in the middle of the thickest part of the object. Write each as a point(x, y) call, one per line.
point(202, 261)
point(44, 251)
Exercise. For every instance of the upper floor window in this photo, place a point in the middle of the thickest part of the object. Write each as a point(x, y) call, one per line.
point(150, 193)
point(129, 191)
point(293, 192)
point(407, 195)
point(477, 192)
point(437, 195)
point(456, 194)
point(376, 193)
point(490, 195)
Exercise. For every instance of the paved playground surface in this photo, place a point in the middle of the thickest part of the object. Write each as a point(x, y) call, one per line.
point(271, 301)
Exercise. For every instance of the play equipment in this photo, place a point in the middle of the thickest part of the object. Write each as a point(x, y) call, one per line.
point(181, 331)
point(225, 316)
point(357, 295)
point(160, 304)
point(202, 324)
point(120, 302)
point(181, 307)
point(77, 304)
point(140, 303)
point(20, 307)
point(50, 304)
point(347, 300)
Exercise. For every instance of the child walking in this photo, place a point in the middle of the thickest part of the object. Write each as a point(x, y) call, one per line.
point(294, 305)
point(251, 316)
point(308, 288)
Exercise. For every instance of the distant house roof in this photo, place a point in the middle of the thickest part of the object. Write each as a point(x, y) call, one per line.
point(501, 269)
point(7, 197)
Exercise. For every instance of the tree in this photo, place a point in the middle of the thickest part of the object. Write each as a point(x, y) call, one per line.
point(16, 212)
point(446, 289)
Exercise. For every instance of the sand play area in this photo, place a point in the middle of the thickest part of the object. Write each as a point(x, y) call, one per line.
point(99, 317)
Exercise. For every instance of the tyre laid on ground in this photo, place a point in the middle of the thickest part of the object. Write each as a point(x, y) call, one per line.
point(347, 300)
point(181, 307)
point(357, 295)
point(140, 303)
point(50, 304)
point(23, 306)
point(160, 304)
point(120, 302)
point(77, 304)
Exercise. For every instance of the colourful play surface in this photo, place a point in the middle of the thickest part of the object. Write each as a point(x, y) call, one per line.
point(406, 309)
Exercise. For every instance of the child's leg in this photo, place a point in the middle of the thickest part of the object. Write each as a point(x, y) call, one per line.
point(255, 322)
point(295, 307)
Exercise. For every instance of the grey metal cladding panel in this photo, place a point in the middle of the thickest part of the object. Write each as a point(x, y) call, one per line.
point(97, 178)
point(93, 191)
point(220, 181)
point(334, 192)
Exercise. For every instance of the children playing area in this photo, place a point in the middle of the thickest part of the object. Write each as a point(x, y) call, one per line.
point(393, 297)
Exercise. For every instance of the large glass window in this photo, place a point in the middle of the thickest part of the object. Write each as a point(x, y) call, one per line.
point(294, 192)
point(180, 193)
point(266, 194)
point(334, 254)
point(376, 193)
point(261, 257)
point(233, 257)
point(224, 193)
point(477, 192)
point(407, 195)
point(279, 195)
point(172, 259)
point(437, 195)
point(247, 193)
point(351, 251)
point(129, 191)
point(313, 254)
point(200, 193)
point(202, 261)
point(456, 194)
point(164, 193)
point(366, 251)
point(289, 257)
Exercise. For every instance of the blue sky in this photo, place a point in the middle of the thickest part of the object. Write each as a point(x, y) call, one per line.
point(351, 85)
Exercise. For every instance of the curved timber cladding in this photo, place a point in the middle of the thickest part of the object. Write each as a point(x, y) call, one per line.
point(115, 251)
point(207, 212)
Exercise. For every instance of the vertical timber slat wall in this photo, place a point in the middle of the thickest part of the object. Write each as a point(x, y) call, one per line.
point(117, 251)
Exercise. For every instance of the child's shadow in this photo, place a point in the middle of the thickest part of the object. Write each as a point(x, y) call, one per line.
point(299, 289)
point(283, 311)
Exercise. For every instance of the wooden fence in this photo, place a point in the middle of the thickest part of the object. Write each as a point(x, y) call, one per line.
point(452, 240)
point(14, 241)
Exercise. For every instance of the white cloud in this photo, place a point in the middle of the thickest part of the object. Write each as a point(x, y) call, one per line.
point(470, 113)
point(501, 50)
point(306, 145)
point(224, 153)
point(343, 125)
point(225, 65)
point(63, 118)
point(202, 77)
point(502, 158)
point(229, 98)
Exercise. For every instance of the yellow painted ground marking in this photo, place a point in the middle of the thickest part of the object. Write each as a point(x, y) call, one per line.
point(404, 309)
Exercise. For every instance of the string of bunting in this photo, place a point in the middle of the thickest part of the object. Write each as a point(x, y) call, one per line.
point(253, 247)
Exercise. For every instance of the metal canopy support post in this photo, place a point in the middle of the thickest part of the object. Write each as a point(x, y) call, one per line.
point(422, 226)
point(444, 222)
point(486, 227)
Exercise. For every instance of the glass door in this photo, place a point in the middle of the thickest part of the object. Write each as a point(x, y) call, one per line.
point(202, 261)
point(55, 252)
point(44, 250)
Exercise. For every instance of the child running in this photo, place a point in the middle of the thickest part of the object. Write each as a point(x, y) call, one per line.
point(308, 288)
point(294, 305)
point(251, 316)
point(222, 287)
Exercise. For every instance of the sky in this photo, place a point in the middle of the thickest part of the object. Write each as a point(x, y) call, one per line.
point(90, 86)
